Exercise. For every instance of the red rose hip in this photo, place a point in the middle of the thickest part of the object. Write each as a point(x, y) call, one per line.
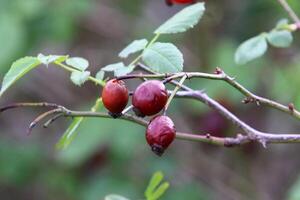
point(171, 2)
point(149, 98)
point(115, 96)
point(160, 133)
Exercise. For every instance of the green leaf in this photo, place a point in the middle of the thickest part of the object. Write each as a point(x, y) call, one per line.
point(135, 46)
point(154, 183)
point(280, 39)
point(78, 78)
point(124, 71)
point(281, 23)
point(113, 67)
point(18, 69)
point(163, 58)
point(119, 69)
point(294, 191)
point(115, 197)
point(100, 75)
point(51, 58)
point(251, 49)
point(69, 135)
point(78, 63)
point(160, 191)
point(182, 21)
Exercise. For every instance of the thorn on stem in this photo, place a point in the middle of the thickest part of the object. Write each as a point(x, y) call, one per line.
point(218, 70)
point(187, 75)
point(251, 100)
point(291, 107)
point(263, 142)
point(257, 102)
point(246, 100)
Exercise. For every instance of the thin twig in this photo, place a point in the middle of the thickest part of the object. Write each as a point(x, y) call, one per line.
point(53, 119)
point(70, 69)
point(250, 97)
point(289, 10)
point(18, 105)
point(41, 117)
point(174, 92)
point(261, 137)
point(252, 134)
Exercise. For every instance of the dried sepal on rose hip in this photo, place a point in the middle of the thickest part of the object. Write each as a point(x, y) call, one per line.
point(160, 133)
point(149, 98)
point(115, 97)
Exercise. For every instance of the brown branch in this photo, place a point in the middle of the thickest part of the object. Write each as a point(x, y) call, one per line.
point(18, 105)
point(252, 134)
point(221, 75)
point(41, 117)
point(53, 119)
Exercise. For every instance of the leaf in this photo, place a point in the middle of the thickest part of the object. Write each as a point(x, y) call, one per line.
point(113, 67)
point(124, 70)
point(281, 23)
point(153, 184)
point(51, 58)
point(251, 49)
point(160, 191)
point(78, 78)
point(78, 63)
point(119, 69)
point(115, 197)
point(163, 58)
point(280, 39)
point(135, 46)
point(294, 191)
point(69, 135)
point(182, 21)
point(18, 69)
point(100, 75)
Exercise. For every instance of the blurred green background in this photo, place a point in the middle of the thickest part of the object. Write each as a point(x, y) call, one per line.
point(111, 156)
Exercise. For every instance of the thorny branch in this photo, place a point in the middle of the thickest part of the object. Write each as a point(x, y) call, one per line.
point(186, 92)
point(62, 111)
point(207, 138)
point(221, 75)
point(252, 134)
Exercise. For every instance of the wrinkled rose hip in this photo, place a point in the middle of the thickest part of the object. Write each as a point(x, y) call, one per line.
point(160, 134)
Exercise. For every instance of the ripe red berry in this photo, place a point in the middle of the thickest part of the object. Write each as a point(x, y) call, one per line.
point(171, 2)
point(160, 133)
point(149, 98)
point(115, 96)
